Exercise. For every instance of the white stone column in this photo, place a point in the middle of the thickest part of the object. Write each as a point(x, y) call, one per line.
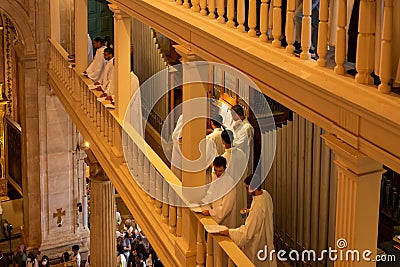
point(122, 61)
point(81, 34)
point(357, 208)
point(103, 244)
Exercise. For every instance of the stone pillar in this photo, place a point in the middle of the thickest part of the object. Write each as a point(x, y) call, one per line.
point(81, 35)
point(55, 20)
point(122, 61)
point(192, 133)
point(103, 244)
point(357, 208)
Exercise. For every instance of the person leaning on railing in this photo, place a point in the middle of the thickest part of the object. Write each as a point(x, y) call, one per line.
point(258, 230)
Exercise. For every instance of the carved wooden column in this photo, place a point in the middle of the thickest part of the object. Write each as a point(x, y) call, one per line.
point(102, 215)
point(192, 133)
point(81, 35)
point(357, 210)
point(122, 61)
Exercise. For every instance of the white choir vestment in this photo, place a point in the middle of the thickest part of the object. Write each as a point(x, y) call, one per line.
point(95, 69)
point(258, 231)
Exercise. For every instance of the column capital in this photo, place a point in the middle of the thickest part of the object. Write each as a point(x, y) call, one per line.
point(350, 157)
point(186, 53)
point(118, 13)
point(96, 171)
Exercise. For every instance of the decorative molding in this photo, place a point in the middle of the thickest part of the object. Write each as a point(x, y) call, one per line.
point(349, 121)
point(8, 75)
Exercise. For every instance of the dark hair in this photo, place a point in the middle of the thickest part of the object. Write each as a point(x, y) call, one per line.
point(108, 41)
point(65, 257)
point(109, 50)
point(120, 249)
point(220, 162)
point(99, 40)
point(45, 257)
point(140, 256)
point(32, 255)
point(238, 110)
point(75, 247)
point(227, 136)
point(253, 180)
point(217, 120)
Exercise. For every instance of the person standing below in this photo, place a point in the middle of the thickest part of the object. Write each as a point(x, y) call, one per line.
point(243, 133)
point(32, 261)
point(20, 257)
point(221, 195)
point(95, 69)
point(45, 262)
point(215, 136)
point(258, 230)
point(76, 255)
point(108, 69)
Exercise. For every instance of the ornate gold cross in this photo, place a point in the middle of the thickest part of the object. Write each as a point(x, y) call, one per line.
point(58, 215)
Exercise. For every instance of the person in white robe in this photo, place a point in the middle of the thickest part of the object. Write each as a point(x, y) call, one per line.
point(90, 50)
point(176, 158)
point(221, 196)
point(258, 230)
point(108, 70)
point(243, 133)
point(95, 69)
point(215, 136)
point(237, 169)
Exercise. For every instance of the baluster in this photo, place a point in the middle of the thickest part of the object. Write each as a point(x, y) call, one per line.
point(82, 94)
point(105, 123)
point(290, 33)
point(218, 259)
point(135, 159)
point(152, 185)
point(322, 47)
point(203, 6)
point(221, 11)
point(178, 2)
point(264, 20)
point(165, 207)
point(195, 5)
point(102, 120)
point(240, 15)
point(110, 132)
point(340, 50)
point(277, 23)
point(385, 64)
point(98, 115)
point(306, 30)
point(211, 9)
point(146, 174)
point(231, 13)
point(186, 4)
point(172, 211)
point(159, 192)
point(366, 42)
point(179, 222)
point(114, 124)
point(200, 245)
point(92, 104)
point(252, 19)
point(210, 251)
point(140, 168)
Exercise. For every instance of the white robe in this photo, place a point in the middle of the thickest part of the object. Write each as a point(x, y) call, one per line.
point(90, 50)
point(109, 89)
point(243, 134)
point(223, 209)
point(258, 230)
point(176, 158)
point(236, 168)
point(216, 137)
point(107, 72)
point(95, 69)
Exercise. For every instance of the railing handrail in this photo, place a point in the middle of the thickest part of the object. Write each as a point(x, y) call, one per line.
point(226, 244)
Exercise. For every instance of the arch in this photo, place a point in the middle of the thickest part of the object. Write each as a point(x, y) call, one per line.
point(21, 22)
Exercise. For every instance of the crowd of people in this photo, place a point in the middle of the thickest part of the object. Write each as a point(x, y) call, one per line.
point(133, 248)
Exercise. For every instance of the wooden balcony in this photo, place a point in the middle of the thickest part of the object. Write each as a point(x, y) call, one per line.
point(162, 223)
point(351, 108)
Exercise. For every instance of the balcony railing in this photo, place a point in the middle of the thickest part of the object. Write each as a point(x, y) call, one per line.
point(151, 174)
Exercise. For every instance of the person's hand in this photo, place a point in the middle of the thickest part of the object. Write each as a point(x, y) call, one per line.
point(98, 88)
point(244, 211)
point(205, 212)
point(103, 95)
point(109, 98)
point(224, 232)
point(96, 83)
